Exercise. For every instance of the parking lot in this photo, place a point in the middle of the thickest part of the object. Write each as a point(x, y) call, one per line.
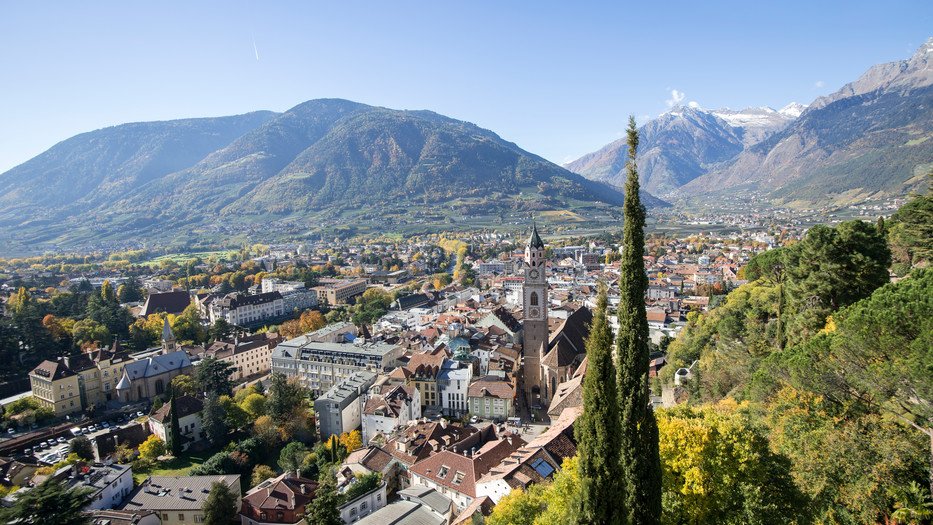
point(55, 449)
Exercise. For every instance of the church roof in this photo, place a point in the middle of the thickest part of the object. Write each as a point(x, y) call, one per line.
point(535, 240)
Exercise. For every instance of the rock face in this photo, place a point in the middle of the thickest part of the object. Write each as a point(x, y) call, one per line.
point(870, 139)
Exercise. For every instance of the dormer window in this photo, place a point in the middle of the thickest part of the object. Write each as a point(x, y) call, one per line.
point(442, 473)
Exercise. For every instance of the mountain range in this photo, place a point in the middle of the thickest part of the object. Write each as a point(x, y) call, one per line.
point(323, 162)
point(872, 139)
point(333, 164)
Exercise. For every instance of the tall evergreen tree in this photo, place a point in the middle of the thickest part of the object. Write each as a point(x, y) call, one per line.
point(598, 428)
point(173, 435)
point(640, 463)
point(221, 505)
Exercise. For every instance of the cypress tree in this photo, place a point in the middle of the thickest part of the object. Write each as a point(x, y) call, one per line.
point(597, 429)
point(640, 463)
point(173, 436)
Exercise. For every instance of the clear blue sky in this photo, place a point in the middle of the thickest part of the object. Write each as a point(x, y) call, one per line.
point(557, 78)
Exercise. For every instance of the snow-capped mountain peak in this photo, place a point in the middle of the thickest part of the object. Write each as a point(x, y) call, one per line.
point(792, 110)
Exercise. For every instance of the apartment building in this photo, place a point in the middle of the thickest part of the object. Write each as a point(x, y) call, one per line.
point(320, 365)
point(339, 291)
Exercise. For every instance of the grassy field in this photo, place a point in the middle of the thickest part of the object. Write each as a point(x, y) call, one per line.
point(179, 466)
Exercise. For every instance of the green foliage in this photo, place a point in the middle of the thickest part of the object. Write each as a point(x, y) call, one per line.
point(292, 456)
point(910, 234)
point(221, 505)
point(554, 503)
point(152, 448)
point(844, 458)
point(213, 377)
point(640, 481)
point(373, 304)
point(50, 502)
point(260, 474)
point(21, 405)
point(832, 268)
point(81, 446)
point(718, 467)
point(598, 427)
point(362, 485)
point(323, 510)
point(213, 420)
point(284, 398)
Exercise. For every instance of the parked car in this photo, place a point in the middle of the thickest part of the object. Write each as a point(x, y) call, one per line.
point(62, 440)
point(105, 424)
point(139, 414)
point(10, 431)
point(28, 452)
point(85, 430)
point(44, 445)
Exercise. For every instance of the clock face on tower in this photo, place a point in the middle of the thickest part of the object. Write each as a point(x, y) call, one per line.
point(533, 274)
point(534, 312)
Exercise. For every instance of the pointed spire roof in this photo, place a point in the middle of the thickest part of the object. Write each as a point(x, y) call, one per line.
point(125, 382)
point(167, 334)
point(535, 240)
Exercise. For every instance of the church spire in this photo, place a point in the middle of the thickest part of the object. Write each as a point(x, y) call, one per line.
point(535, 240)
point(168, 337)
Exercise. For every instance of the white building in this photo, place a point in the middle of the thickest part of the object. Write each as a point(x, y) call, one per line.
point(363, 505)
point(339, 410)
point(390, 409)
point(108, 485)
point(189, 420)
point(453, 382)
point(238, 309)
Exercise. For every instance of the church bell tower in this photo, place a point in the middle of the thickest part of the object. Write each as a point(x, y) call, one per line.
point(535, 328)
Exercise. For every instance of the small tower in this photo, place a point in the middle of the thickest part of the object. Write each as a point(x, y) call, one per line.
point(535, 328)
point(168, 338)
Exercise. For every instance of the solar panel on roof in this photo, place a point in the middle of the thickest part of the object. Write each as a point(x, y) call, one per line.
point(542, 467)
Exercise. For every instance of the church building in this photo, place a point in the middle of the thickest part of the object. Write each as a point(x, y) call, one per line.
point(150, 376)
point(550, 357)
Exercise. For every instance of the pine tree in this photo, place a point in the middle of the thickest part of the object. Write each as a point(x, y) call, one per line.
point(598, 428)
point(221, 505)
point(640, 463)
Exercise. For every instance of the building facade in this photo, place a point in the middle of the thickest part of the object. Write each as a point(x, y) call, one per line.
point(321, 365)
point(56, 387)
point(535, 327)
point(340, 409)
point(179, 500)
point(250, 355)
point(339, 291)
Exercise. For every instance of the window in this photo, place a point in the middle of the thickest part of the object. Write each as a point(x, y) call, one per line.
point(363, 506)
point(458, 477)
point(442, 473)
point(353, 511)
point(181, 516)
point(534, 299)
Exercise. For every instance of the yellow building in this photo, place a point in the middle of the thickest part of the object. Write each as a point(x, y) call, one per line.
point(98, 371)
point(56, 387)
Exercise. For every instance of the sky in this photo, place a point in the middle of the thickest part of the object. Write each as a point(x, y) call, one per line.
point(557, 78)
